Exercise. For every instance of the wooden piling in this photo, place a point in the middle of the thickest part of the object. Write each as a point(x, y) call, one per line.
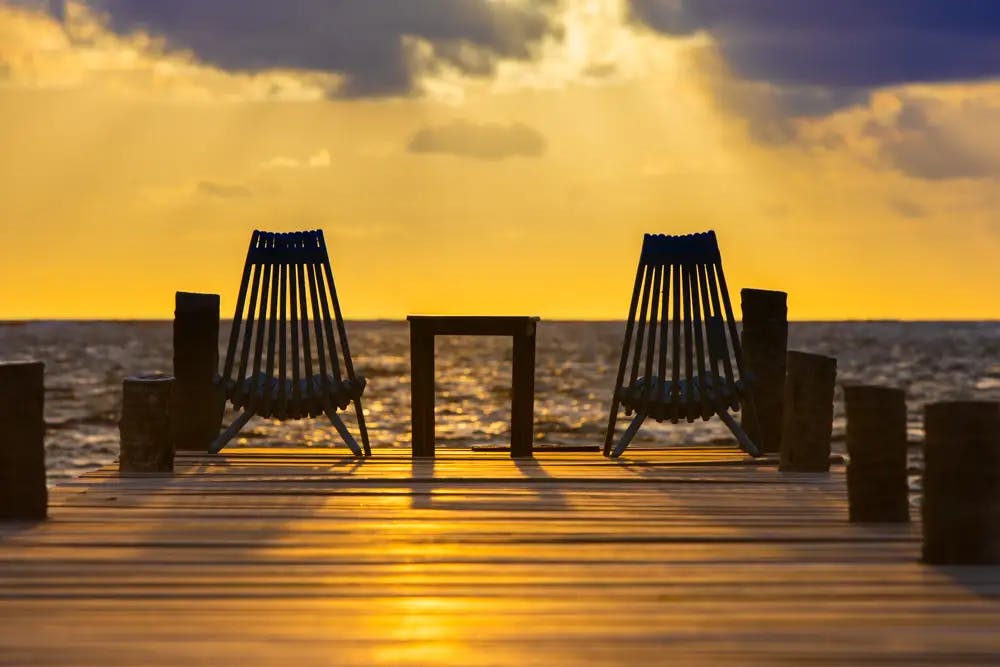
point(961, 505)
point(146, 442)
point(198, 399)
point(765, 344)
point(807, 414)
point(876, 444)
point(23, 494)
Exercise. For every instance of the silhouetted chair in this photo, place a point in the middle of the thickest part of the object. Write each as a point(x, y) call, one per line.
point(691, 326)
point(291, 297)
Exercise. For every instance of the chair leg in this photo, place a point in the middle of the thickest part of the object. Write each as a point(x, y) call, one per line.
point(230, 432)
point(610, 435)
point(629, 433)
point(746, 444)
point(362, 427)
point(338, 424)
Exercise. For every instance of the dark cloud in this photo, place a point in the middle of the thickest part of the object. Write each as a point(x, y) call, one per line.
point(483, 142)
point(776, 62)
point(770, 110)
point(840, 44)
point(222, 190)
point(364, 40)
point(936, 155)
point(931, 140)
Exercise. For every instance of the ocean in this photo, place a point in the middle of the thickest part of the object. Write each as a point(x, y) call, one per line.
point(575, 368)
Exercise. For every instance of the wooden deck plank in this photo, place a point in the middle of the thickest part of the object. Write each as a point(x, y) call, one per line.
point(282, 556)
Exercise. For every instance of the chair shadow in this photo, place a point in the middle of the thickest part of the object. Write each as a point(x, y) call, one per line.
point(982, 581)
point(826, 505)
point(195, 485)
point(546, 493)
point(10, 528)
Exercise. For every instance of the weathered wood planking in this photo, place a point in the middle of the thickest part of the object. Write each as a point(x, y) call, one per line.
point(302, 557)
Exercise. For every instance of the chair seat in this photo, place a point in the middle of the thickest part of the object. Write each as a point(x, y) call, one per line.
point(308, 398)
point(662, 400)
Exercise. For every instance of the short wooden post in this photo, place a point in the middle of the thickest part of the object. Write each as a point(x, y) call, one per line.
point(961, 506)
point(146, 443)
point(198, 400)
point(876, 444)
point(23, 494)
point(807, 414)
point(765, 344)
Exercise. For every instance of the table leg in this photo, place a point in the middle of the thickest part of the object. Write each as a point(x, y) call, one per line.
point(522, 409)
point(422, 392)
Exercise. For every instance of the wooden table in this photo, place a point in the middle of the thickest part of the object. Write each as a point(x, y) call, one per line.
point(423, 328)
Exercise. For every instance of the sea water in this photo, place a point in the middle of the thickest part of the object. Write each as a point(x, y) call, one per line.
point(574, 376)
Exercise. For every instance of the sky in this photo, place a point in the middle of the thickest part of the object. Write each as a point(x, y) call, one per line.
point(501, 156)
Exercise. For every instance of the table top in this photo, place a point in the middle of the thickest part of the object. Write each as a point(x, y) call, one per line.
point(473, 325)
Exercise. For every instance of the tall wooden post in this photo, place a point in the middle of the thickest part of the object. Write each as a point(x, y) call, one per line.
point(146, 444)
point(23, 494)
point(961, 506)
point(198, 401)
point(765, 343)
point(876, 444)
point(807, 415)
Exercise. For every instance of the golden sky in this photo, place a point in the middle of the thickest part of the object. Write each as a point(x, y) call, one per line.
point(493, 178)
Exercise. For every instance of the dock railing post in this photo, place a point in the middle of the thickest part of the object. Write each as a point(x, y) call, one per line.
point(807, 414)
point(23, 494)
point(146, 442)
point(876, 444)
point(961, 504)
point(198, 400)
point(764, 339)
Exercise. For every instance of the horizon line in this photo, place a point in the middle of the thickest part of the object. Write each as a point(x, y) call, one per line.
point(155, 320)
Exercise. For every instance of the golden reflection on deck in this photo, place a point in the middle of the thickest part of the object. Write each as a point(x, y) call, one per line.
point(283, 556)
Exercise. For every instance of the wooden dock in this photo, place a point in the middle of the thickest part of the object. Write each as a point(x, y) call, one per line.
point(305, 557)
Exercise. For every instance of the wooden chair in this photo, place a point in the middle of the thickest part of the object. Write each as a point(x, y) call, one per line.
point(270, 369)
point(689, 331)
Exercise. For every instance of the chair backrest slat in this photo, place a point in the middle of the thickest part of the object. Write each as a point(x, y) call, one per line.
point(272, 323)
point(675, 375)
point(331, 341)
point(661, 365)
point(629, 325)
point(293, 304)
point(307, 367)
point(234, 331)
point(734, 335)
point(282, 332)
point(653, 314)
point(719, 327)
point(695, 350)
point(345, 348)
point(711, 360)
point(641, 326)
point(265, 285)
point(688, 366)
point(317, 325)
point(248, 330)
